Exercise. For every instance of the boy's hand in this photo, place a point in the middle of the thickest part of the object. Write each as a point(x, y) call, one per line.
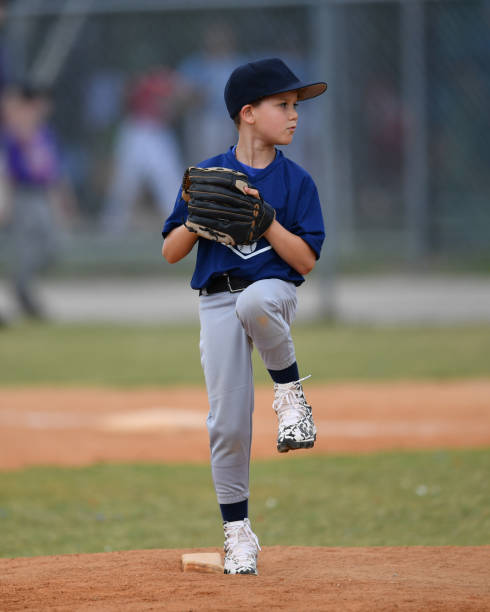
point(252, 192)
point(223, 206)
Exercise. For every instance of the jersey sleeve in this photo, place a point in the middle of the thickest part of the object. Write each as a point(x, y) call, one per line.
point(308, 223)
point(177, 217)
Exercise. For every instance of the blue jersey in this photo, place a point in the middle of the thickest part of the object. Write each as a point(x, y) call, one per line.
point(291, 191)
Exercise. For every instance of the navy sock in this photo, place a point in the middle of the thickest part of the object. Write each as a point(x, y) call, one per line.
point(234, 512)
point(287, 375)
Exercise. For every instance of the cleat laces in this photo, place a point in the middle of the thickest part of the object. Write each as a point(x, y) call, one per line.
point(290, 403)
point(241, 544)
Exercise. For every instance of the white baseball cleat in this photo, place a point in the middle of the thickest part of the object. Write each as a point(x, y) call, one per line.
point(241, 548)
point(296, 426)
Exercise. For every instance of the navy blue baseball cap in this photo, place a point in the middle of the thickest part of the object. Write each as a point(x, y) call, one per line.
point(267, 77)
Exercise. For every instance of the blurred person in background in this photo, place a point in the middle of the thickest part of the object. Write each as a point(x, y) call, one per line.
point(4, 191)
point(32, 170)
point(387, 120)
point(147, 152)
point(207, 71)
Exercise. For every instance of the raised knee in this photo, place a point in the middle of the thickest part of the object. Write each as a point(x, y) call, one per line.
point(252, 305)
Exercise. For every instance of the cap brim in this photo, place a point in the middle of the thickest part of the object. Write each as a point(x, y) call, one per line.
point(306, 91)
point(311, 91)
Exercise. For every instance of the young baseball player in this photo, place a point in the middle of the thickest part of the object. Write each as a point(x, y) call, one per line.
point(248, 292)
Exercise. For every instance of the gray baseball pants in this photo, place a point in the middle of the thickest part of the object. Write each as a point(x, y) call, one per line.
point(35, 243)
point(231, 323)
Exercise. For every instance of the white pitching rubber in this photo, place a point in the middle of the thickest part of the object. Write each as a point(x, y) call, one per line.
point(207, 563)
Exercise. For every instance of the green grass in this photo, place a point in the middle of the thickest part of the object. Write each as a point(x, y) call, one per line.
point(161, 355)
point(423, 498)
point(430, 498)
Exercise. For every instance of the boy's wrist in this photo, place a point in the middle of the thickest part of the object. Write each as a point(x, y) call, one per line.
point(271, 228)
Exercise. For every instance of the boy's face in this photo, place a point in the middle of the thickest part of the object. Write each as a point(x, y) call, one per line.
point(276, 118)
point(18, 115)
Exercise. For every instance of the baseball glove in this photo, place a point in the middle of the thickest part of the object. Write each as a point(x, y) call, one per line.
point(219, 209)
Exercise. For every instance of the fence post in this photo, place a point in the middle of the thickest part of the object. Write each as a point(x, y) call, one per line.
point(323, 53)
point(415, 166)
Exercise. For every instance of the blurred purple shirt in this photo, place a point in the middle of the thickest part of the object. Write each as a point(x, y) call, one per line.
point(34, 163)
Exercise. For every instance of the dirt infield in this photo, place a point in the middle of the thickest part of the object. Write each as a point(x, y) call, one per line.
point(82, 426)
point(290, 578)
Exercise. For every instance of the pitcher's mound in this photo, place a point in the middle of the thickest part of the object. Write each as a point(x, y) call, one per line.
point(290, 578)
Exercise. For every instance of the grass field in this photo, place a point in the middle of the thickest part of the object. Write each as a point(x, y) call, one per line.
point(163, 355)
point(429, 498)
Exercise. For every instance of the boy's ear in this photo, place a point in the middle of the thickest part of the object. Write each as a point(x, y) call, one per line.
point(247, 114)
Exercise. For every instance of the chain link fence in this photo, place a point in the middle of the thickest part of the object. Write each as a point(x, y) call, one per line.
point(399, 145)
